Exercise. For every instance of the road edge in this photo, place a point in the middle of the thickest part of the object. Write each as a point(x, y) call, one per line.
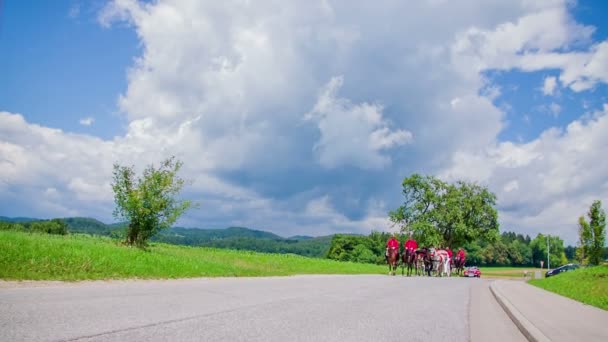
point(526, 327)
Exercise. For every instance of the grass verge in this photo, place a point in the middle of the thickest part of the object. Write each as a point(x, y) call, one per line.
point(25, 256)
point(587, 285)
point(508, 272)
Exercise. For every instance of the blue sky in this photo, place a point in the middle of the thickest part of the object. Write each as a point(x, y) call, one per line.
point(304, 118)
point(51, 57)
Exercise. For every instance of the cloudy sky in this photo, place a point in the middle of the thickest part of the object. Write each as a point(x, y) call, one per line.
point(303, 117)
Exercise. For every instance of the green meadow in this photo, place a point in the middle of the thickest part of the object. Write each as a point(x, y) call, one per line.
point(588, 285)
point(30, 256)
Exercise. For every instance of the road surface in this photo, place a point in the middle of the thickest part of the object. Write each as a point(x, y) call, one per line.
point(299, 308)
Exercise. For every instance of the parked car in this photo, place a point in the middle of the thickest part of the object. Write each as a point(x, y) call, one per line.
point(472, 271)
point(561, 269)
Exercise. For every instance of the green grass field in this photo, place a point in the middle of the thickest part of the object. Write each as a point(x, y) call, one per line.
point(509, 272)
point(25, 256)
point(588, 285)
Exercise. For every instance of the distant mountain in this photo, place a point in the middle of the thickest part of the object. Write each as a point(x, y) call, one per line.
point(300, 237)
point(18, 219)
point(87, 225)
point(245, 239)
point(239, 238)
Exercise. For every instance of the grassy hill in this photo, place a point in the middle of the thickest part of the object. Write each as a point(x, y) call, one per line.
point(588, 285)
point(27, 256)
point(88, 225)
point(17, 219)
point(238, 238)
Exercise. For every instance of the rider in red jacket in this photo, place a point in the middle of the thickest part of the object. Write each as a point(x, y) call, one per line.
point(460, 255)
point(411, 244)
point(391, 243)
point(450, 253)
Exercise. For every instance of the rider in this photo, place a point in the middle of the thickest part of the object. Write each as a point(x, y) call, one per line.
point(410, 244)
point(460, 255)
point(391, 243)
point(450, 253)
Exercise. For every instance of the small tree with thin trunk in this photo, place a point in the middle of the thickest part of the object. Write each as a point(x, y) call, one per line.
point(584, 241)
point(592, 234)
point(148, 203)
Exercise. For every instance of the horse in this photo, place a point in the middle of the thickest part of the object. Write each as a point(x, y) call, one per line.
point(444, 263)
point(420, 261)
point(393, 260)
point(432, 261)
point(409, 260)
point(440, 261)
point(459, 265)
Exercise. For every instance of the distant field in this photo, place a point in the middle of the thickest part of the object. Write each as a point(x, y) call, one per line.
point(509, 272)
point(588, 285)
point(26, 256)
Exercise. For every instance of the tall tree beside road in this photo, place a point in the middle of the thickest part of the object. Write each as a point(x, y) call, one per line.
point(148, 203)
point(556, 250)
point(584, 240)
point(592, 235)
point(439, 213)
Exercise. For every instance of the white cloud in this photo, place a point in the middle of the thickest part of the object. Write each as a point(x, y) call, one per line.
point(352, 133)
point(546, 184)
point(88, 121)
point(555, 109)
point(74, 11)
point(225, 85)
point(550, 85)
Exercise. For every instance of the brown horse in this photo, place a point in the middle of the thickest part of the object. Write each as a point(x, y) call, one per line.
point(459, 265)
point(409, 261)
point(393, 260)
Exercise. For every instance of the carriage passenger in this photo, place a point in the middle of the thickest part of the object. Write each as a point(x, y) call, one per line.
point(450, 253)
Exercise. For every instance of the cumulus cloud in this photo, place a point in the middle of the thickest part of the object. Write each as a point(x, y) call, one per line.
point(247, 95)
point(545, 184)
point(549, 85)
point(352, 133)
point(88, 121)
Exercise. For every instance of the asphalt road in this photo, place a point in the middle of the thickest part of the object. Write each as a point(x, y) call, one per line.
point(300, 308)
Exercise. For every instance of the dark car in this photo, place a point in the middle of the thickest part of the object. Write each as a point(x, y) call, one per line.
point(561, 269)
point(472, 271)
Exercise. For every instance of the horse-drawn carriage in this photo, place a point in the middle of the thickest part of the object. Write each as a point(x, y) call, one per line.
point(429, 261)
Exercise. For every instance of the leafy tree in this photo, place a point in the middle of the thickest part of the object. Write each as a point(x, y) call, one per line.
point(585, 239)
point(556, 250)
point(439, 213)
point(148, 203)
point(356, 248)
point(592, 235)
point(363, 254)
point(570, 252)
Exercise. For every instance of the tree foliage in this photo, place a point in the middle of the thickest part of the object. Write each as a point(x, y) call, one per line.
point(54, 226)
point(439, 213)
point(557, 255)
point(148, 203)
point(592, 235)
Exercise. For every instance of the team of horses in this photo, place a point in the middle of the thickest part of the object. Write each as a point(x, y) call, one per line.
point(424, 261)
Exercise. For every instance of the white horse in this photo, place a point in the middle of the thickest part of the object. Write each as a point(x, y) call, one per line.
point(444, 263)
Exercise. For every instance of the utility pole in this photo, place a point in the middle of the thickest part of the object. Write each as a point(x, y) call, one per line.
point(548, 259)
